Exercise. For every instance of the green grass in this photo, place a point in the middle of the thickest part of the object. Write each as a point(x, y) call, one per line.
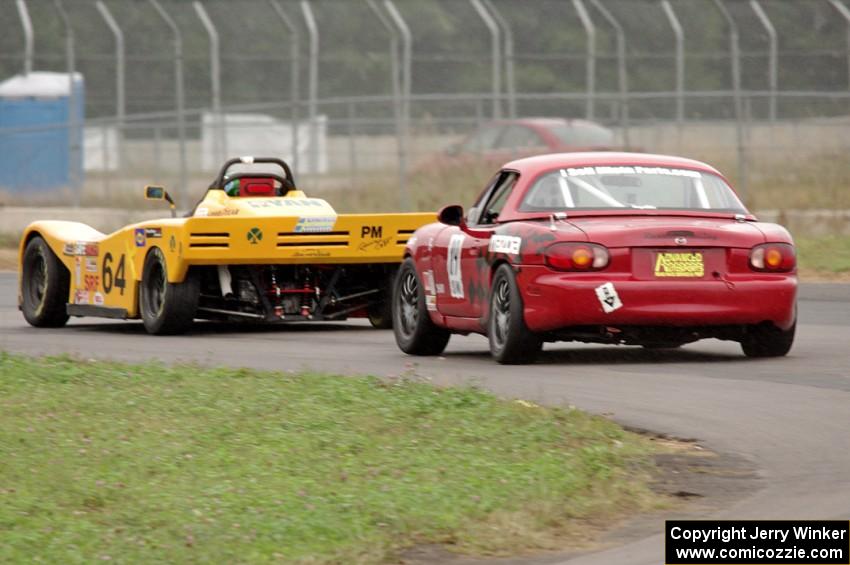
point(829, 254)
point(148, 463)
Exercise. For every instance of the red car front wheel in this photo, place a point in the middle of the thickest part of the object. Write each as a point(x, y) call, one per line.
point(415, 333)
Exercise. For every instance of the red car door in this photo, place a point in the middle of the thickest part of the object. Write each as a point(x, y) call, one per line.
point(461, 273)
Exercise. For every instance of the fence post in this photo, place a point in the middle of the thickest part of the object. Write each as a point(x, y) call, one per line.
point(773, 61)
point(396, 90)
point(75, 156)
point(590, 59)
point(179, 95)
point(622, 71)
point(406, 77)
point(120, 104)
point(735, 55)
point(495, 55)
point(220, 136)
point(294, 76)
point(352, 147)
point(510, 82)
point(312, 84)
point(679, 33)
point(26, 24)
point(844, 11)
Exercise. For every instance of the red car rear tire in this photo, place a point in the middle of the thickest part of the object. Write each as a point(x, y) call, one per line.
point(768, 341)
point(511, 342)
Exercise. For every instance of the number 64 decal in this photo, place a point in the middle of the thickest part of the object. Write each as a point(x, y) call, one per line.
point(108, 281)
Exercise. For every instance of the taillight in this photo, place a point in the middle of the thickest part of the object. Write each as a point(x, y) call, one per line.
point(576, 257)
point(773, 257)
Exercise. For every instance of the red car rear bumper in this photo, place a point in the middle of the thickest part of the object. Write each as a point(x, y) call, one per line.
point(554, 300)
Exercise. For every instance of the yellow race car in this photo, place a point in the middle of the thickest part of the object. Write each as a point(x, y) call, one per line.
point(255, 249)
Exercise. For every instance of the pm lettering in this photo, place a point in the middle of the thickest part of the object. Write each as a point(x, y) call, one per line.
point(374, 232)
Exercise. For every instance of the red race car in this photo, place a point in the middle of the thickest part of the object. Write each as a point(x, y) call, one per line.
point(619, 248)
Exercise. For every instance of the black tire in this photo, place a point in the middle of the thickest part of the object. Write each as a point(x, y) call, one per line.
point(167, 308)
point(380, 312)
point(414, 331)
point(768, 341)
point(45, 286)
point(511, 342)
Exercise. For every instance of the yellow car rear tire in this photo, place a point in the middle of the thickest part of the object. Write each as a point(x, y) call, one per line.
point(166, 308)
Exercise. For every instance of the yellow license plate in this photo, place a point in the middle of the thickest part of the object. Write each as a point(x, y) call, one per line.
point(679, 264)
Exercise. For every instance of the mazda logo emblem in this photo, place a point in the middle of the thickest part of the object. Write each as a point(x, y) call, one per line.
point(680, 241)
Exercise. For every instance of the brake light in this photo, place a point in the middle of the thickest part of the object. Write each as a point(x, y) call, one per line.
point(576, 256)
point(773, 257)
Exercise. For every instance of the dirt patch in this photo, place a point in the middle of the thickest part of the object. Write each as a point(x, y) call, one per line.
point(810, 276)
point(694, 480)
point(8, 259)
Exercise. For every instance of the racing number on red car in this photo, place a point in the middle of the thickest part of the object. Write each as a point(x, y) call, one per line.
point(119, 281)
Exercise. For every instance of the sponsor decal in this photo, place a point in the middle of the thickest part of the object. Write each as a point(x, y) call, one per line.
point(441, 288)
point(312, 253)
point(91, 265)
point(224, 212)
point(154, 233)
point(81, 297)
point(287, 203)
point(453, 265)
point(78, 270)
point(679, 264)
point(608, 297)
point(81, 248)
point(92, 282)
point(375, 244)
point(98, 299)
point(505, 244)
point(315, 224)
point(202, 211)
point(141, 240)
point(584, 171)
point(431, 302)
point(429, 281)
point(255, 235)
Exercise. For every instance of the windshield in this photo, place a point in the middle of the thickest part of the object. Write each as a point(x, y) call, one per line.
point(584, 135)
point(648, 188)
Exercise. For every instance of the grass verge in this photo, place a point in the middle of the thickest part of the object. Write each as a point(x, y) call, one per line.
point(147, 463)
point(827, 256)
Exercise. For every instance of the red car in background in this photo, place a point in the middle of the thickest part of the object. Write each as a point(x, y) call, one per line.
point(619, 248)
point(500, 141)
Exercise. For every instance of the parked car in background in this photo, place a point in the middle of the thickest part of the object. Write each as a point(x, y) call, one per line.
point(499, 141)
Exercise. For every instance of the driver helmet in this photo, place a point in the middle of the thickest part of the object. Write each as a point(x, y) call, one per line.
point(231, 187)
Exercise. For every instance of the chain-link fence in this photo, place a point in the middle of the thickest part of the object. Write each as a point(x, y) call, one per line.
point(376, 96)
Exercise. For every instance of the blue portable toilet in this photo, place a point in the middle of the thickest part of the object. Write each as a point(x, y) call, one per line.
point(39, 149)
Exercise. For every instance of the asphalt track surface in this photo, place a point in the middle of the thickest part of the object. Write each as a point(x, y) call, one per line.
point(788, 417)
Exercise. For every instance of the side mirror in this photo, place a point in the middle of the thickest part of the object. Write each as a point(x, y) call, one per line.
point(451, 215)
point(159, 193)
